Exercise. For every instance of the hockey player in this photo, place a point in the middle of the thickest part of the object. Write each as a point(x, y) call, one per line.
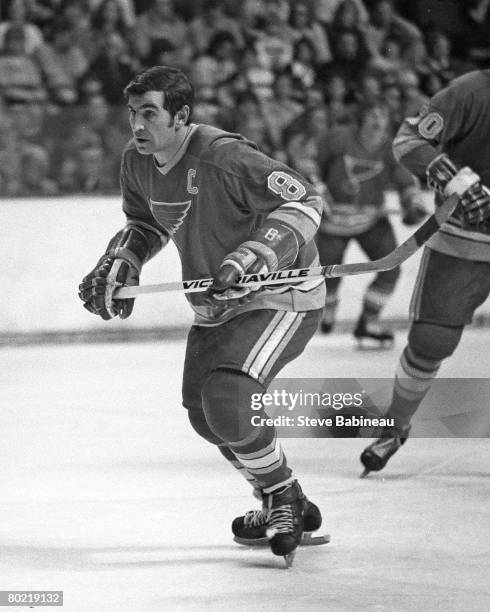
point(448, 144)
point(230, 210)
point(358, 167)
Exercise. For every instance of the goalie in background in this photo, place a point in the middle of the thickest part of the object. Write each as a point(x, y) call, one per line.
point(357, 166)
point(448, 145)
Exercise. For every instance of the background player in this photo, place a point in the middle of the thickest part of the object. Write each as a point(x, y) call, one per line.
point(230, 210)
point(454, 275)
point(357, 165)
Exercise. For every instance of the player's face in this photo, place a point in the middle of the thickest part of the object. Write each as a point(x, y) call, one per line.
point(153, 127)
point(375, 122)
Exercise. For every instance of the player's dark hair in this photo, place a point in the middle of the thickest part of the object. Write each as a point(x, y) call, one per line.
point(174, 84)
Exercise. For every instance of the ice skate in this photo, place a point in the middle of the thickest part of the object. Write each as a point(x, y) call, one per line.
point(370, 334)
point(250, 529)
point(375, 456)
point(286, 520)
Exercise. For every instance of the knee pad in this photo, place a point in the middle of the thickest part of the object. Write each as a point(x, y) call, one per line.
point(226, 397)
point(433, 342)
point(198, 421)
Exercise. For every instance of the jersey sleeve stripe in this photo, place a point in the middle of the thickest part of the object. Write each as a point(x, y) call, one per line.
point(303, 219)
point(303, 226)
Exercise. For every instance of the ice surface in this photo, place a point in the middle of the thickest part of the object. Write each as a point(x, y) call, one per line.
point(108, 495)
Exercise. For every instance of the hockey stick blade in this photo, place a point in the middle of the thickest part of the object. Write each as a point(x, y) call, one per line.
point(390, 261)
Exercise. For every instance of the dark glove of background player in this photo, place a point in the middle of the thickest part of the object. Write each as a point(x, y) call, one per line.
point(272, 247)
point(413, 208)
point(443, 176)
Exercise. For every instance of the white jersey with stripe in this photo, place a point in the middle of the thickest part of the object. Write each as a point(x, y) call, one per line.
point(456, 121)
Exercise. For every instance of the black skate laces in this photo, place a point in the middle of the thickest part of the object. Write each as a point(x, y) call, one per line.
point(278, 520)
point(256, 518)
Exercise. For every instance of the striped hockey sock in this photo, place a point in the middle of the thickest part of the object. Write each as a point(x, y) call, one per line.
point(413, 379)
point(261, 455)
point(242, 470)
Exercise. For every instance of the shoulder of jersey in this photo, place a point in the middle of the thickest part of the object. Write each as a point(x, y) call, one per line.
point(472, 80)
point(217, 146)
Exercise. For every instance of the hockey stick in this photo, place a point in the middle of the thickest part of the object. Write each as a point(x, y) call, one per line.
point(390, 261)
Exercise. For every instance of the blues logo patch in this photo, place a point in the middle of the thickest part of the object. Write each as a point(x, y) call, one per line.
point(170, 215)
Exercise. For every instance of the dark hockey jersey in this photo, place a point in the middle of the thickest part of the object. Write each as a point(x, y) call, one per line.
point(357, 180)
point(209, 198)
point(456, 121)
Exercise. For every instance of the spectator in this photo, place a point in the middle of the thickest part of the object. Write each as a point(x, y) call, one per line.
point(255, 129)
point(302, 146)
point(218, 64)
point(211, 21)
point(41, 12)
point(75, 17)
point(350, 60)
point(9, 155)
point(20, 76)
point(29, 117)
point(339, 110)
point(18, 15)
point(303, 65)
point(160, 22)
point(111, 126)
point(387, 61)
point(439, 60)
point(253, 76)
point(84, 171)
point(325, 10)
point(305, 26)
point(113, 67)
point(347, 17)
point(391, 95)
point(89, 85)
point(232, 118)
point(413, 98)
point(63, 63)
point(109, 17)
point(125, 11)
point(35, 168)
point(416, 59)
point(282, 109)
point(274, 43)
point(369, 89)
point(385, 23)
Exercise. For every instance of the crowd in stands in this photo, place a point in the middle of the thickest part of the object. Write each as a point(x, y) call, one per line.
point(281, 72)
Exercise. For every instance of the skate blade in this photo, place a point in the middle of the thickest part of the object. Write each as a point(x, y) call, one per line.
point(365, 473)
point(289, 559)
point(307, 539)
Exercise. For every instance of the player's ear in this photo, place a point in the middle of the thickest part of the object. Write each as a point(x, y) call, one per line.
point(181, 116)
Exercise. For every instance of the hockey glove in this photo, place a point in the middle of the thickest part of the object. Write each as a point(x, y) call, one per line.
point(120, 266)
point(444, 177)
point(270, 248)
point(413, 209)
